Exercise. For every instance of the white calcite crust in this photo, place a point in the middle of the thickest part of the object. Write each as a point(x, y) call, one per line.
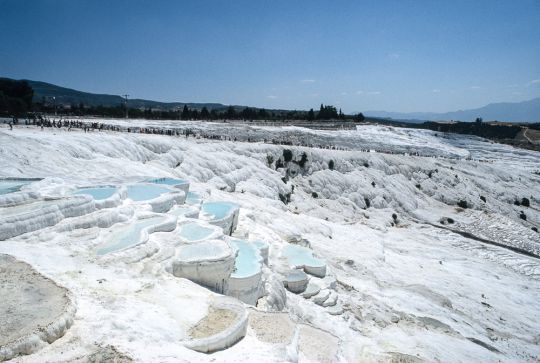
point(228, 222)
point(114, 200)
point(16, 198)
point(208, 263)
point(230, 335)
point(26, 218)
point(296, 281)
point(34, 310)
point(406, 290)
point(165, 202)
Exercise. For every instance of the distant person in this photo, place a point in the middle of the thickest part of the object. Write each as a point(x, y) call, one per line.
point(10, 125)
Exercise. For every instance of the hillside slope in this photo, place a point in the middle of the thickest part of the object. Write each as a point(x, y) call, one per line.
point(526, 111)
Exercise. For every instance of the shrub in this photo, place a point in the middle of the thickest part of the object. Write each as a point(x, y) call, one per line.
point(534, 229)
point(394, 216)
point(285, 198)
point(368, 203)
point(516, 202)
point(366, 164)
point(331, 165)
point(287, 155)
point(373, 184)
point(450, 220)
point(462, 204)
point(418, 186)
point(525, 202)
point(523, 216)
point(483, 198)
point(303, 160)
point(279, 164)
point(314, 195)
point(269, 159)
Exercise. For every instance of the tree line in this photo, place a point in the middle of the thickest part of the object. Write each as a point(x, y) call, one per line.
point(186, 113)
point(16, 99)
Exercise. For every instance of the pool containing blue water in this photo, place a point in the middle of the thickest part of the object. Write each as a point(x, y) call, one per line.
point(248, 260)
point(129, 235)
point(195, 232)
point(13, 185)
point(218, 210)
point(98, 193)
point(140, 192)
point(300, 256)
point(167, 181)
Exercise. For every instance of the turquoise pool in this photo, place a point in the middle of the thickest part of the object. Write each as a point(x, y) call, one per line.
point(141, 192)
point(168, 181)
point(129, 235)
point(248, 260)
point(98, 193)
point(195, 232)
point(13, 185)
point(301, 256)
point(218, 210)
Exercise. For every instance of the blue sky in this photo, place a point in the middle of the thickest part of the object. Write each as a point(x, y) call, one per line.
point(358, 55)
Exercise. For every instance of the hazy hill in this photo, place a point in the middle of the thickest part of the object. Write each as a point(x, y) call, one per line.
point(526, 111)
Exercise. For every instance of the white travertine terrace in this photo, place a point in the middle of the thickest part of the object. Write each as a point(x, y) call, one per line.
point(228, 220)
point(30, 217)
point(245, 283)
point(225, 338)
point(405, 287)
point(208, 263)
point(296, 281)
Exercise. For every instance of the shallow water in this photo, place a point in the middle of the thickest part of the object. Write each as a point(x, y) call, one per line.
point(300, 256)
point(248, 259)
point(10, 186)
point(195, 232)
point(98, 193)
point(218, 210)
point(140, 192)
point(129, 235)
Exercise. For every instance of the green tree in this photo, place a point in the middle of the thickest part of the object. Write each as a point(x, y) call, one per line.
point(262, 114)
point(311, 115)
point(205, 115)
point(185, 113)
point(16, 96)
point(231, 113)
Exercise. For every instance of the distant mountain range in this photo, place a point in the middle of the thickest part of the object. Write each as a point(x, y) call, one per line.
point(68, 96)
point(526, 111)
